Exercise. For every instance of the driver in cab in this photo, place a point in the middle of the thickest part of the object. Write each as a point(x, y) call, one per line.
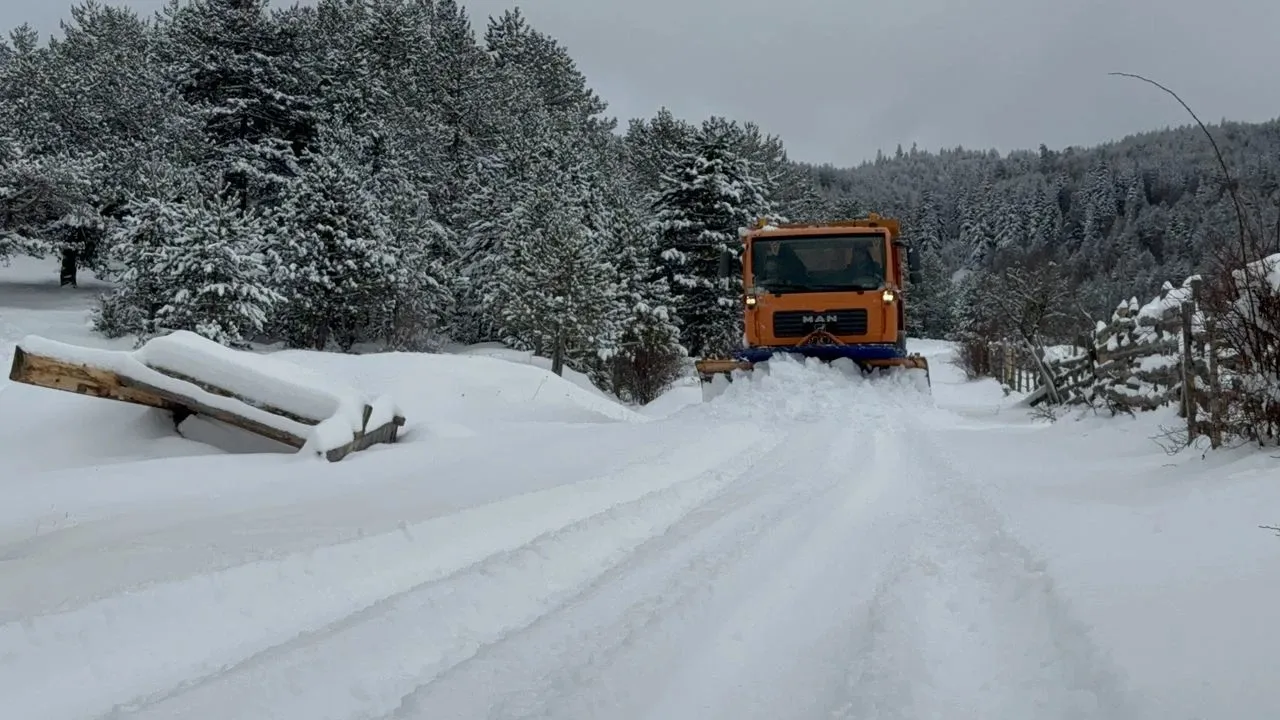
point(781, 267)
point(863, 270)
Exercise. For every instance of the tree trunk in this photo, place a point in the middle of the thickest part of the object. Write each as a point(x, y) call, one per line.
point(67, 274)
point(557, 354)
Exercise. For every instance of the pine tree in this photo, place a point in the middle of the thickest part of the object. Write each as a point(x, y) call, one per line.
point(556, 292)
point(241, 73)
point(973, 319)
point(930, 301)
point(334, 255)
point(138, 245)
point(425, 251)
point(194, 265)
point(653, 145)
point(214, 273)
point(707, 198)
point(648, 356)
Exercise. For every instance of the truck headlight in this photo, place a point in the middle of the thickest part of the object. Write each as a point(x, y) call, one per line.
point(888, 296)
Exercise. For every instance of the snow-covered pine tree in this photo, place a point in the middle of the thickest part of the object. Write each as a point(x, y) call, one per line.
point(543, 107)
point(460, 90)
point(652, 145)
point(241, 72)
point(97, 100)
point(645, 356)
point(214, 276)
point(425, 251)
point(192, 264)
point(557, 83)
point(930, 301)
point(649, 356)
point(333, 254)
point(137, 245)
point(708, 196)
point(978, 225)
point(40, 194)
point(556, 290)
point(497, 212)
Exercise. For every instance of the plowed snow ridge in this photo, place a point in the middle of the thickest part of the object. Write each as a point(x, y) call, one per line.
point(785, 552)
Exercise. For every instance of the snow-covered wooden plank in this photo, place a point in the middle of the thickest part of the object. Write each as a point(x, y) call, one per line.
point(188, 375)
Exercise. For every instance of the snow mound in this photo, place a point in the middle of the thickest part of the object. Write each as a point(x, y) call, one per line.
point(684, 394)
point(498, 351)
point(459, 394)
point(440, 395)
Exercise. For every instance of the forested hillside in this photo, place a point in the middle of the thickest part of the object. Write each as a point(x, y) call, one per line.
point(376, 171)
point(1120, 219)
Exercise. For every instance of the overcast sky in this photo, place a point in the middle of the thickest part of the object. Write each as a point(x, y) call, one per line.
point(839, 79)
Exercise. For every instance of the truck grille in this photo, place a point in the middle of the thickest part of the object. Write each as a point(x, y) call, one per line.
point(798, 323)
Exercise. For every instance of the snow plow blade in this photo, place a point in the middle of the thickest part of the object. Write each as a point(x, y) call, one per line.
point(715, 373)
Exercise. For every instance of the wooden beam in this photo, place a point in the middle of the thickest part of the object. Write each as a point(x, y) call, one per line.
point(56, 374)
point(84, 379)
point(386, 433)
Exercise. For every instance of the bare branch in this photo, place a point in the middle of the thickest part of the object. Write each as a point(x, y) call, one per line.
point(1217, 151)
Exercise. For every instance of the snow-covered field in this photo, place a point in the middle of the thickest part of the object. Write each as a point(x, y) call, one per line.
point(806, 546)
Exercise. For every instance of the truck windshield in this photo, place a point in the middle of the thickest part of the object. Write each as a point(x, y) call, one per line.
point(827, 263)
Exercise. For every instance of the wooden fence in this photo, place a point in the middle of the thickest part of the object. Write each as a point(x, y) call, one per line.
point(1020, 370)
point(1148, 356)
point(1013, 366)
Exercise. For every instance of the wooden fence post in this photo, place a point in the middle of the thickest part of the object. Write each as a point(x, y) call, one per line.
point(1188, 372)
point(1006, 363)
point(1215, 383)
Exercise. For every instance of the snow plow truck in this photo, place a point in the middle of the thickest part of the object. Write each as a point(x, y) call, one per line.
point(830, 291)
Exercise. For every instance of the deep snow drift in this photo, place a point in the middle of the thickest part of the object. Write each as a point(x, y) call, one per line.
point(807, 545)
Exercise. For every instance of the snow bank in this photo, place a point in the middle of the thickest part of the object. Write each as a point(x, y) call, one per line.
point(442, 396)
point(525, 357)
point(1161, 556)
point(266, 385)
point(682, 395)
point(469, 392)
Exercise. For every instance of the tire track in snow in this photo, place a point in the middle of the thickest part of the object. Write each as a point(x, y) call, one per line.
point(128, 523)
point(975, 627)
point(784, 649)
point(430, 628)
point(711, 594)
point(156, 643)
point(617, 644)
point(410, 659)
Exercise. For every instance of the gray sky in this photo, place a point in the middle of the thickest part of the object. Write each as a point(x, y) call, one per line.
point(838, 79)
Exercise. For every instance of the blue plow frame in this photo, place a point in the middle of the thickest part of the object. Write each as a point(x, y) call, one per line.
point(868, 356)
point(825, 353)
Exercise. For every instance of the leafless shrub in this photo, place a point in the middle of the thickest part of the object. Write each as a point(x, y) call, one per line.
point(1029, 303)
point(973, 357)
point(642, 372)
point(1239, 297)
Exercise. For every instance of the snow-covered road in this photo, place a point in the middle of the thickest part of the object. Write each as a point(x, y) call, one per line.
point(798, 548)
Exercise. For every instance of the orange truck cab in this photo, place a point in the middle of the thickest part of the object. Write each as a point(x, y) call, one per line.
point(828, 291)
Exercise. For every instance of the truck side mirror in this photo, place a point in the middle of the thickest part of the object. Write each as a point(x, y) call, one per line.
point(726, 264)
point(913, 267)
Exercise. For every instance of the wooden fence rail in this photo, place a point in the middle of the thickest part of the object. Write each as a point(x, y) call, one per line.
point(1147, 357)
